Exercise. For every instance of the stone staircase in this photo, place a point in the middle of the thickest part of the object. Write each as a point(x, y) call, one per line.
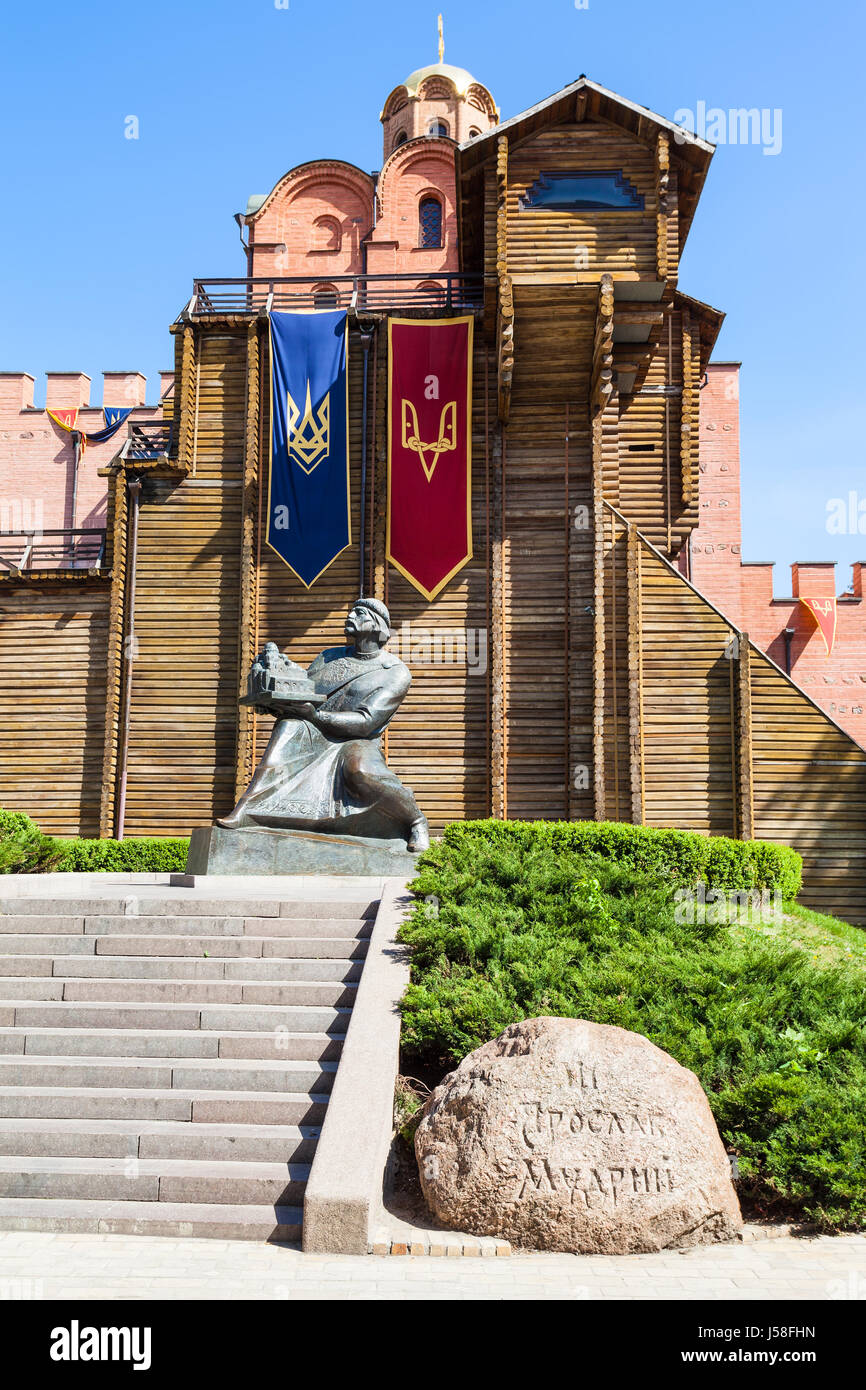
point(166, 1055)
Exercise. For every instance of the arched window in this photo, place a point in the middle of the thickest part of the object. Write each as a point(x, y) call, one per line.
point(430, 223)
point(439, 128)
point(329, 234)
point(325, 297)
point(474, 133)
point(400, 138)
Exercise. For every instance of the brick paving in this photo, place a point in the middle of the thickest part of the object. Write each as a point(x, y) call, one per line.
point(38, 1265)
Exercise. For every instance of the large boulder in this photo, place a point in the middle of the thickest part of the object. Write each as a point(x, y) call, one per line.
point(567, 1135)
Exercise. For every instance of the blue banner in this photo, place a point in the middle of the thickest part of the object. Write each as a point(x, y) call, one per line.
point(114, 416)
point(308, 495)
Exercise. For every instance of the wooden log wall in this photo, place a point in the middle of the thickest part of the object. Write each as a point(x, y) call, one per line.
point(545, 244)
point(656, 484)
point(53, 644)
point(181, 763)
point(717, 739)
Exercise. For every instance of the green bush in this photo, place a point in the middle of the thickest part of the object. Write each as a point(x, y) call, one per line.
point(680, 856)
point(518, 929)
point(23, 847)
point(25, 850)
point(146, 856)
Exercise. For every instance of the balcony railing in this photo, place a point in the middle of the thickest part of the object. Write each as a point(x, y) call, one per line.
point(81, 547)
point(148, 441)
point(443, 292)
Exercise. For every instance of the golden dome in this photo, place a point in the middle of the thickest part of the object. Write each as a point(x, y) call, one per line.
point(462, 79)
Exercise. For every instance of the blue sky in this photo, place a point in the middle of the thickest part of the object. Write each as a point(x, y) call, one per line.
point(102, 235)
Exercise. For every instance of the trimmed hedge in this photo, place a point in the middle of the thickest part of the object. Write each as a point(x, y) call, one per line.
point(146, 856)
point(681, 857)
point(24, 849)
point(507, 927)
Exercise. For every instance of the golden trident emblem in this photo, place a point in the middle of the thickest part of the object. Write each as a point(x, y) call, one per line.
point(308, 437)
point(445, 444)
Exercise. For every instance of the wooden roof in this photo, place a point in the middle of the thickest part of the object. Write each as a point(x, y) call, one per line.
point(585, 101)
point(708, 319)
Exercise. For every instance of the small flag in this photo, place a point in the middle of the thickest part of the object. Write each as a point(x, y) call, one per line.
point(66, 417)
point(824, 612)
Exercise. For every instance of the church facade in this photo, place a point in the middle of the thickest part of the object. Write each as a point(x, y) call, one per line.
point(570, 669)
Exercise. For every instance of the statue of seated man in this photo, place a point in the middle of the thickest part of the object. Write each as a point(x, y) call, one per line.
point(323, 768)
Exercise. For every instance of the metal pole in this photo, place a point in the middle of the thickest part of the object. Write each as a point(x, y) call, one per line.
point(134, 486)
point(76, 459)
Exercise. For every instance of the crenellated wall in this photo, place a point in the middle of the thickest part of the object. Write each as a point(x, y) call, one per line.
point(37, 457)
point(745, 589)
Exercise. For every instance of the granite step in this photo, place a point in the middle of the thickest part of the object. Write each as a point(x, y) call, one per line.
point(58, 1138)
point(270, 1045)
point(183, 905)
point(202, 967)
point(218, 1222)
point(124, 1103)
point(166, 1057)
point(187, 1073)
point(153, 1180)
point(243, 1018)
point(105, 924)
point(352, 948)
point(75, 990)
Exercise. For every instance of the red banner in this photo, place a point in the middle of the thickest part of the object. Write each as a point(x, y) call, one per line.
point(430, 449)
point(823, 610)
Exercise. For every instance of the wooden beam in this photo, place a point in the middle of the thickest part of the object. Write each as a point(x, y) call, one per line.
point(745, 762)
point(498, 634)
point(663, 167)
point(248, 604)
point(187, 392)
point(688, 411)
point(114, 654)
point(505, 314)
point(635, 676)
point(602, 385)
point(598, 656)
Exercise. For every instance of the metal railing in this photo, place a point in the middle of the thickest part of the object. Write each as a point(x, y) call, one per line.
point(149, 440)
point(80, 547)
point(443, 291)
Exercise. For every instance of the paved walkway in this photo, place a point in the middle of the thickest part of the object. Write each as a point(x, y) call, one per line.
point(34, 1265)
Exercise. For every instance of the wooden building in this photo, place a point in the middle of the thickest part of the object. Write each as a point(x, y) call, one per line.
point(610, 689)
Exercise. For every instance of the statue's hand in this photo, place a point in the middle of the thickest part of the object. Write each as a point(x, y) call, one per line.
point(305, 711)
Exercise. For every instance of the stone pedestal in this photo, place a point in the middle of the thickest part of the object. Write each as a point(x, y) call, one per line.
point(215, 850)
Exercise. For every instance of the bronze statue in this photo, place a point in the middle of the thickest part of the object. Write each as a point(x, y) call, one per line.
point(323, 768)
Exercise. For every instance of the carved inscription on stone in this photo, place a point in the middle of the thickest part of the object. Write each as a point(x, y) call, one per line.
point(568, 1135)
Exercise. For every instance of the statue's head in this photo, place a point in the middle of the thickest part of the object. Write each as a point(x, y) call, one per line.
point(368, 618)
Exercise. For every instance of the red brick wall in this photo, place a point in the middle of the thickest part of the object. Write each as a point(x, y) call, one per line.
point(36, 456)
point(288, 237)
point(744, 590)
point(426, 166)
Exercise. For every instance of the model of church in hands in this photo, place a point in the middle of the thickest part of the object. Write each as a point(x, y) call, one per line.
point(274, 678)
